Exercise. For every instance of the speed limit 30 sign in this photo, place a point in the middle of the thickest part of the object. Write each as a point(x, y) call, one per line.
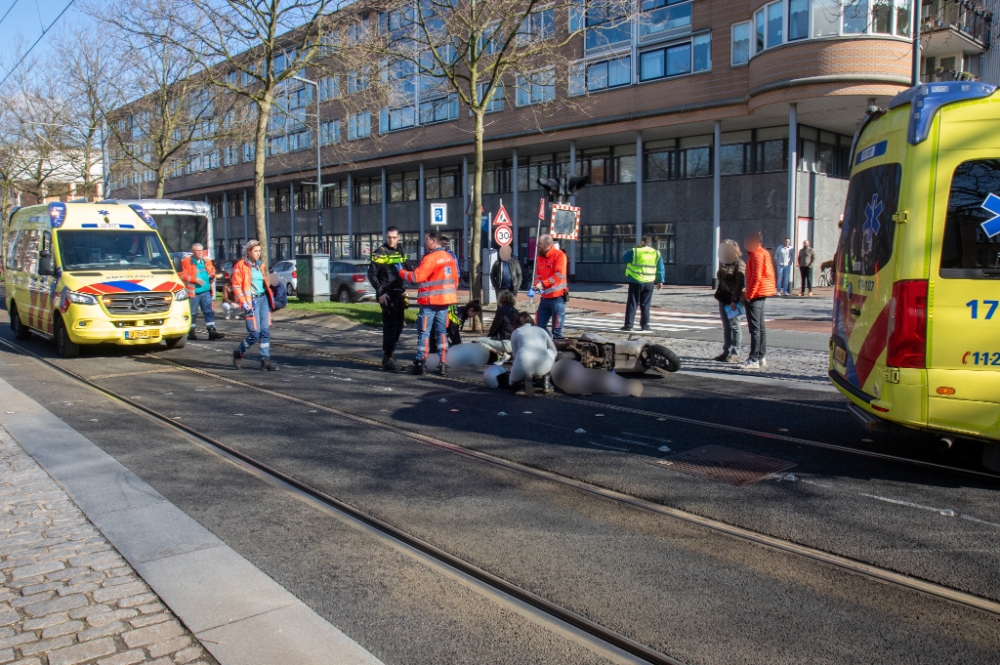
point(503, 235)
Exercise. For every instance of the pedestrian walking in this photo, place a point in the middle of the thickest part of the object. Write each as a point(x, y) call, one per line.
point(644, 270)
point(437, 288)
point(383, 275)
point(505, 275)
point(784, 257)
point(550, 282)
point(250, 286)
point(198, 273)
point(498, 338)
point(731, 278)
point(760, 285)
point(806, 259)
point(534, 354)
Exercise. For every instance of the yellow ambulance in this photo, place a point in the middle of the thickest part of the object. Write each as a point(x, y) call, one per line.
point(83, 273)
point(916, 333)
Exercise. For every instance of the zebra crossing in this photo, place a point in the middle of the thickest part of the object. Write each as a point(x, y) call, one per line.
point(662, 322)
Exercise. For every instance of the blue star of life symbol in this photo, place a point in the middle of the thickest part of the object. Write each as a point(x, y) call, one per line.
point(872, 212)
point(102, 212)
point(992, 226)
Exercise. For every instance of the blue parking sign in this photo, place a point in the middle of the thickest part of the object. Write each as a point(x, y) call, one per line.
point(439, 214)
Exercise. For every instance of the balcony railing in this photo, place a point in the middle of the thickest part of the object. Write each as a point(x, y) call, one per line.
point(959, 15)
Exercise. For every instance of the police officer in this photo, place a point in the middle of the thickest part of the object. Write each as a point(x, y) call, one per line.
point(383, 275)
point(644, 268)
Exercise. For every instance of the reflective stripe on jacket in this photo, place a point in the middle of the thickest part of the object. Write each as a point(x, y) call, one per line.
point(551, 272)
point(644, 265)
point(242, 281)
point(436, 278)
point(189, 273)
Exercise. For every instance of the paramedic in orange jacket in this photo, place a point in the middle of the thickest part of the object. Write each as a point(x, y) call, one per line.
point(437, 288)
point(760, 285)
point(250, 287)
point(550, 281)
point(198, 273)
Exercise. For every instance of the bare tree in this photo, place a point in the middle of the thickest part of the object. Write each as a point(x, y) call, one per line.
point(477, 51)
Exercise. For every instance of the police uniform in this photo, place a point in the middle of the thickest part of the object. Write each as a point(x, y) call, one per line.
point(383, 275)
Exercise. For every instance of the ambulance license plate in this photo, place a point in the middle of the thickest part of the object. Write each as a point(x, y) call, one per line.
point(142, 334)
point(840, 355)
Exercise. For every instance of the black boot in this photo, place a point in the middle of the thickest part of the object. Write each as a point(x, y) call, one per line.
point(237, 359)
point(214, 334)
point(418, 367)
point(442, 370)
point(267, 366)
point(388, 364)
point(515, 386)
point(192, 336)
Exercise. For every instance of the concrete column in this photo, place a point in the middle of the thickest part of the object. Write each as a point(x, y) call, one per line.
point(350, 215)
point(572, 201)
point(638, 187)
point(291, 211)
point(385, 196)
point(514, 214)
point(211, 247)
point(716, 202)
point(465, 209)
point(793, 159)
point(266, 251)
point(420, 198)
point(246, 218)
point(225, 222)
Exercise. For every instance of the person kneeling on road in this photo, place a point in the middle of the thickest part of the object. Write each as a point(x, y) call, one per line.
point(437, 289)
point(198, 273)
point(534, 354)
point(457, 316)
point(254, 296)
point(498, 338)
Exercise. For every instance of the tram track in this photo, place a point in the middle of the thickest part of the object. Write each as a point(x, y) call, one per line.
point(581, 623)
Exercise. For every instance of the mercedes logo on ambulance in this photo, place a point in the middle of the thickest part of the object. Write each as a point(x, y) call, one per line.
point(140, 303)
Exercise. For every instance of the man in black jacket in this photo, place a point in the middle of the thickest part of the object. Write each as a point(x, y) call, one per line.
point(383, 275)
point(505, 275)
point(502, 327)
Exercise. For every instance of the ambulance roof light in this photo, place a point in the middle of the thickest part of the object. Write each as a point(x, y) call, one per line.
point(926, 99)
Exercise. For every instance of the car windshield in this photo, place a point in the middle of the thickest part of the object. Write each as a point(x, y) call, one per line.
point(111, 250)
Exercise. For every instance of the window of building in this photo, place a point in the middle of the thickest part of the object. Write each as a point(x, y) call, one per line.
point(359, 125)
point(249, 151)
point(329, 132)
point(855, 17)
point(300, 141)
point(600, 75)
point(357, 80)
point(391, 120)
point(798, 19)
point(402, 186)
point(772, 150)
point(329, 88)
point(335, 194)
point(736, 153)
point(661, 18)
point(676, 59)
point(439, 110)
point(305, 197)
point(537, 26)
point(497, 177)
point(443, 183)
point(496, 102)
point(740, 54)
point(367, 191)
point(248, 77)
point(606, 26)
point(536, 87)
point(608, 243)
point(826, 18)
point(775, 23)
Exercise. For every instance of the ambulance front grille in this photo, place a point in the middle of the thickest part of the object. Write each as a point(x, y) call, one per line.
point(137, 303)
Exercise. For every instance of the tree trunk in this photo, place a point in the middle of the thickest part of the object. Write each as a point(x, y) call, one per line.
point(260, 202)
point(161, 180)
point(475, 278)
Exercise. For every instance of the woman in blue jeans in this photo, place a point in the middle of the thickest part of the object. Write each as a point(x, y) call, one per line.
point(732, 279)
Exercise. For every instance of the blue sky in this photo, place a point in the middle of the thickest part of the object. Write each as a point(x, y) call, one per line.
point(26, 20)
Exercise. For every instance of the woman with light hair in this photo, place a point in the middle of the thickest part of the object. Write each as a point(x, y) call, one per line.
point(252, 293)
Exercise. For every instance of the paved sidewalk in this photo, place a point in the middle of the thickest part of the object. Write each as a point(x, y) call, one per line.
point(67, 596)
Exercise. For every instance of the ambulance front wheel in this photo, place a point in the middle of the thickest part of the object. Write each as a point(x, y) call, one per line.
point(67, 348)
point(175, 342)
point(21, 331)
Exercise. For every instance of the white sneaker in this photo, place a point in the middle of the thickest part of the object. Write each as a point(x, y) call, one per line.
point(763, 362)
point(750, 364)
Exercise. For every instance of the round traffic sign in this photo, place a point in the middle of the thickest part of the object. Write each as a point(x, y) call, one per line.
point(503, 235)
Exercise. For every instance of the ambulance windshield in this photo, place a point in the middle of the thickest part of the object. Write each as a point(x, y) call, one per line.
point(111, 250)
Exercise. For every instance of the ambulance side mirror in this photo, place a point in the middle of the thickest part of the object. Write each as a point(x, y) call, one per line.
point(46, 265)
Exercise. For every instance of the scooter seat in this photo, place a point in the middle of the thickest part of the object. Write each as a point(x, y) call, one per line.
point(630, 348)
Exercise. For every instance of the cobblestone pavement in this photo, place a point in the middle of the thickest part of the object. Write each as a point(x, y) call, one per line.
point(67, 597)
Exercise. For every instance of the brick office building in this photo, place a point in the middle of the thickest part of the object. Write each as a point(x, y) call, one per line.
point(701, 110)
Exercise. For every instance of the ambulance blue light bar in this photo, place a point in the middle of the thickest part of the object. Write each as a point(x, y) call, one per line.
point(927, 99)
point(57, 214)
point(146, 217)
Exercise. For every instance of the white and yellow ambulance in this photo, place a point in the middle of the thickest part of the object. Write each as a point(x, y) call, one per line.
point(83, 273)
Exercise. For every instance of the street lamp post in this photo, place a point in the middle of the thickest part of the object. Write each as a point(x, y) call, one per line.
point(319, 163)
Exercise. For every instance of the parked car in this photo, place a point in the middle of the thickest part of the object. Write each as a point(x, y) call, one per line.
point(223, 274)
point(289, 276)
point(349, 281)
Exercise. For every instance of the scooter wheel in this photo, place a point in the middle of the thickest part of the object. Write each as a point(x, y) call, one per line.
point(661, 358)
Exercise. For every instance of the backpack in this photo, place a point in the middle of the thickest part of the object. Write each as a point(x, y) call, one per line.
point(279, 297)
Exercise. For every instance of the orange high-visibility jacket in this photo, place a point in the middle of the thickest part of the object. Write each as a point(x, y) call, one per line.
point(242, 281)
point(760, 275)
point(551, 272)
point(189, 273)
point(436, 278)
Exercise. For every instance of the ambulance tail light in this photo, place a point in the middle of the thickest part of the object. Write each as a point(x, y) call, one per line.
point(908, 325)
